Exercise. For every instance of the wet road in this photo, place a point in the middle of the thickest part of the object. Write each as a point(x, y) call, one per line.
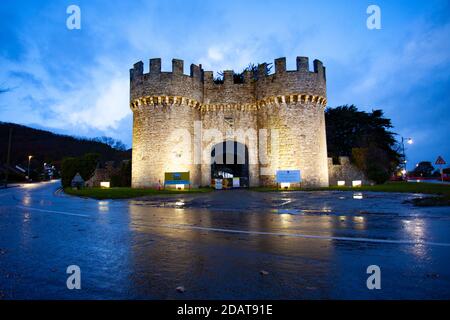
point(314, 245)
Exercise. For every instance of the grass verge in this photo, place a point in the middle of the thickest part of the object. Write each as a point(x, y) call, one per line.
point(441, 191)
point(127, 193)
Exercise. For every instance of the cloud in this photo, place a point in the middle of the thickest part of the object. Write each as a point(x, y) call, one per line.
point(104, 111)
point(235, 55)
point(4, 90)
point(402, 68)
point(99, 102)
point(78, 81)
point(215, 54)
point(409, 80)
point(62, 88)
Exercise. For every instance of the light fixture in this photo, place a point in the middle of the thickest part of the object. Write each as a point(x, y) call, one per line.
point(341, 183)
point(356, 183)
point(285, 185)
point(105, 184)
point(179, 186)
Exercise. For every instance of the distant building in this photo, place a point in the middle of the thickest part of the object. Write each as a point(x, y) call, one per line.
point(77, 181)
point(344, 173)
point(103, 173)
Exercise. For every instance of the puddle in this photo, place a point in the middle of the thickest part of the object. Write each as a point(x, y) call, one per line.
point(286, 211)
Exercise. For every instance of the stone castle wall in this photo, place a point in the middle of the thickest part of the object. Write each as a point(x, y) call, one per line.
point(286, 104)
point(345, 171)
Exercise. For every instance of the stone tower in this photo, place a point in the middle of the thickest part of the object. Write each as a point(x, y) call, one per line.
point(178, 120)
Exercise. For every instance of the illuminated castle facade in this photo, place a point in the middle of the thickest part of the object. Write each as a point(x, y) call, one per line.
point(277, 118)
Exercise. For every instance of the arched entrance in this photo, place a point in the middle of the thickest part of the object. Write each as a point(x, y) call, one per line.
point(229, 160)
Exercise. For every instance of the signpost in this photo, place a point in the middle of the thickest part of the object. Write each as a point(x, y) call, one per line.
point(440, 162)
point(288, 176)
point(218, 184)
point(177, 178)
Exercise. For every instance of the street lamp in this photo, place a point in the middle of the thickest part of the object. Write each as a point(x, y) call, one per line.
point(29, 160)
point(408, 141)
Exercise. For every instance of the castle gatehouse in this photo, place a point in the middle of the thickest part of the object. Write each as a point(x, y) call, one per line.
point(250, 125)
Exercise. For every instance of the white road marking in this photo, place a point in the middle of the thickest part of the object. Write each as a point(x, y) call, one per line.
point(282, 234)
point(52, 211)
point(307, 236)
point(285, 202)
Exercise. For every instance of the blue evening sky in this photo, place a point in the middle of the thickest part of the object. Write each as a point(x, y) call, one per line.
point(77, 81)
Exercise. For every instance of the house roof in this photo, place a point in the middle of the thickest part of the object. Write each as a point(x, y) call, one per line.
point(77, 178)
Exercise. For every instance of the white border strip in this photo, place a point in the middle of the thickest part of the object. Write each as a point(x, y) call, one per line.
point(307, 236)
point(282, 234)
point(51, 211)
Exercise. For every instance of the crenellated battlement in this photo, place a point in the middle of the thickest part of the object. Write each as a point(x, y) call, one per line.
point(160, 83)
point(155, 69)
point(246, 87)
point(299, 81)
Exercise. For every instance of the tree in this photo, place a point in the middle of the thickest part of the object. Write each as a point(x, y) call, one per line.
point(113, 143)
point(239, 77)
point(68, 170)
point(85, 165)
point(423, 169)
point(47, 147)
point(365, 137)
point(123, 177)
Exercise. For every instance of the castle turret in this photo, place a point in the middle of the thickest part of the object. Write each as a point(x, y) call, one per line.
point(292, 109)
point(165, 107)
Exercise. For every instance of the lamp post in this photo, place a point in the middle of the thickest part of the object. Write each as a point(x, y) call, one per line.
point(29, 160)
point(408, 141)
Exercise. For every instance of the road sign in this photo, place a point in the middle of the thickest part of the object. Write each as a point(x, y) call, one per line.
point(176, 178)
point(440, 160)
point(218, 184)
point(288, 176)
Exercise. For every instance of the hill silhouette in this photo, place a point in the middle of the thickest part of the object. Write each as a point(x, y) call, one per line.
point(49, 147)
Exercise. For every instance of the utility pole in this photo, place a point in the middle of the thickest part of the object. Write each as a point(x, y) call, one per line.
point(403, 153)
point(8, 157)
point(409, 141)
point(29, 160)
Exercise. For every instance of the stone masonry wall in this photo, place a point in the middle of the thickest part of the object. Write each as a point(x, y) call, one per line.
point(159, 143)
point(345, 171)
point(301, 144)
point(288, 105)
point(243, 130)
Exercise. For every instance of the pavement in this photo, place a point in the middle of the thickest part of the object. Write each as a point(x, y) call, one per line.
point(236, 244)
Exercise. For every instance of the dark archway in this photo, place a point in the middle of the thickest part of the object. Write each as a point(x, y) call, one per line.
point(229, 159)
